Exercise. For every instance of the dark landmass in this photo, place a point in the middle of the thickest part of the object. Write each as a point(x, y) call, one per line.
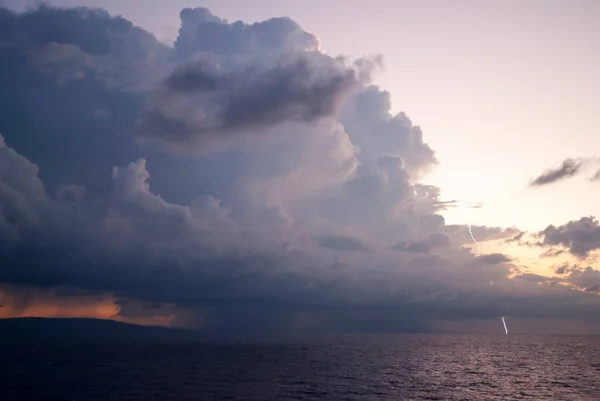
point(79, 329)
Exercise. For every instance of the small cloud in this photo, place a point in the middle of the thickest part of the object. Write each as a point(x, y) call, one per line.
point(551, 253)
point(494, 258)
point(516, 238)
point(567, 268)
point(569, 168)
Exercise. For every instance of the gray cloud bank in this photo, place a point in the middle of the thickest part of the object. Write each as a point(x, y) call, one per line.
point(242, 178)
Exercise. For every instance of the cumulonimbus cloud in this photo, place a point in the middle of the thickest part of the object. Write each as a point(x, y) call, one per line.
point(314, 217)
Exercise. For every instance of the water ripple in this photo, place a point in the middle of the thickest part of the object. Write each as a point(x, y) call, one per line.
point(400, 367)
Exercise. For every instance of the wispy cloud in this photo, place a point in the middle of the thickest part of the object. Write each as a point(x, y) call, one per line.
point(568, 168)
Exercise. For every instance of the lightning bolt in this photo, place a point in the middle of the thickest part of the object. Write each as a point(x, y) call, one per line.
point(491, 282)
point(474, 240)
point(478, 255)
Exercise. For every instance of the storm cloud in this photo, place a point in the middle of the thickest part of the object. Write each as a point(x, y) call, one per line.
point(203, 103)
point(239, 181)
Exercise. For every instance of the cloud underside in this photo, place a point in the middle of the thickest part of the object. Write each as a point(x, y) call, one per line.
point(241, 180)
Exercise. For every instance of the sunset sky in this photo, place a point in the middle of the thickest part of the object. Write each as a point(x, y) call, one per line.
point(230, 176)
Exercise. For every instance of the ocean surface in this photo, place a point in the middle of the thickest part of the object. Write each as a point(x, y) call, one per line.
point(382, 367)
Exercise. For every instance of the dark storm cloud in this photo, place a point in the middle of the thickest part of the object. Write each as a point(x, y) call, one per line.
point(73, 44)
point(223, 240)
point(580, 237)
point(73, 79)
point(301, 88)
point(138, 246)
point(135, 245)
point(568, 168)
point(340, 242)
point(237, 78)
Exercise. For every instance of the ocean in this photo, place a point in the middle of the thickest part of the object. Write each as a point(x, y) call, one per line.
point(350, 367)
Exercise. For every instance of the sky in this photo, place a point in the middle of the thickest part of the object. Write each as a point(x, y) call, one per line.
point(174, 167)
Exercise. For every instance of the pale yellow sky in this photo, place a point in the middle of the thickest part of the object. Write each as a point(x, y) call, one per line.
point(502, 89)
